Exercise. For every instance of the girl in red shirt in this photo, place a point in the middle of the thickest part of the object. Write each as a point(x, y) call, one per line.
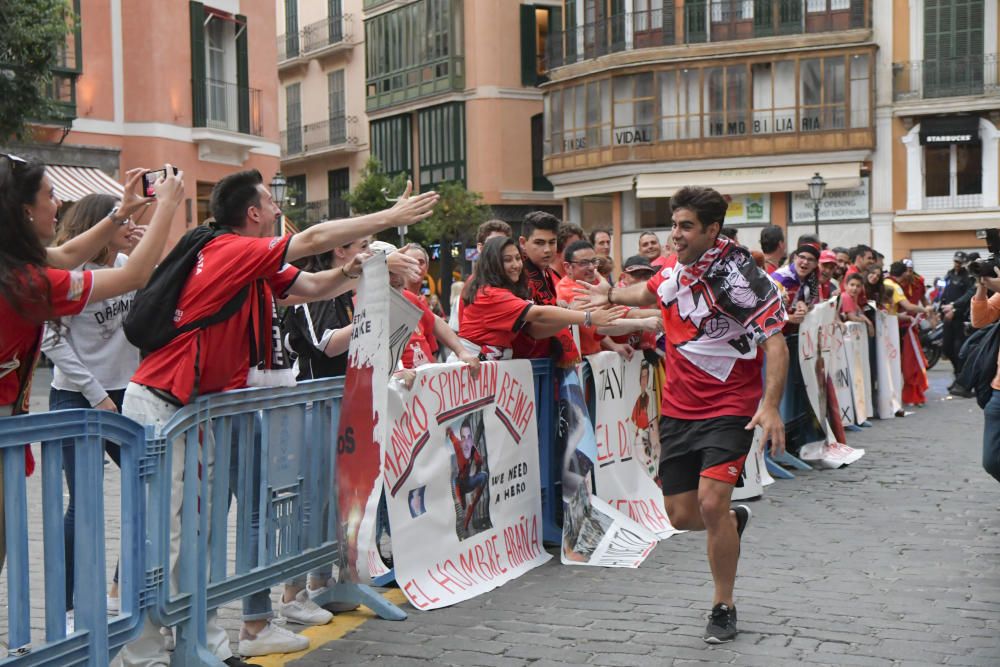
point(496, 305)
point(38, 283)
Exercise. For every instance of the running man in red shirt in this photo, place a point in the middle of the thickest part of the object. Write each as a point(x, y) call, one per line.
point(721, 314)
point(467, 454)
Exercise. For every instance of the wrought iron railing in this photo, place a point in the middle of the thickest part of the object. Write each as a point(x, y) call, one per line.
point(331, 133)
point(229, 106)
point(321, 34)
point(946, 77)
point(621, 32)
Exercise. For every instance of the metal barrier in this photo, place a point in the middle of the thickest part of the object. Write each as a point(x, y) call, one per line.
point(272, 450)
point(549, 458)
point(96, 639)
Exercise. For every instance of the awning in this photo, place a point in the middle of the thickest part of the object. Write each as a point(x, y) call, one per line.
point(597, 187)
point(75, 183)
point(949, 130)
point(751, 180)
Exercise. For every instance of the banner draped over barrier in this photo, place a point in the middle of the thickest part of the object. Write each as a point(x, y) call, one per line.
point(462, 481)
point(626, 418)
point(382, 325)
point(594, 533)
point(890, 372)
point(856, 343)
point(816, 361)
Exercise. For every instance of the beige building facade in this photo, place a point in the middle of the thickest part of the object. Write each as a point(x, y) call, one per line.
point(442, 90)
point(944, 129)
point(894, 103)
point(199, 92)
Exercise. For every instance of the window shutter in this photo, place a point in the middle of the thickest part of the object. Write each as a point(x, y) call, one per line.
point(554, 42)
point(695, 29)
point(529, 46)
point(243, 75)
point(198, 101)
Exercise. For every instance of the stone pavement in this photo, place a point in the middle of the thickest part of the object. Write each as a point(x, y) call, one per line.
point(893, 561)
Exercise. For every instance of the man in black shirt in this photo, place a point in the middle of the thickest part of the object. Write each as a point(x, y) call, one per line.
point(955, 297)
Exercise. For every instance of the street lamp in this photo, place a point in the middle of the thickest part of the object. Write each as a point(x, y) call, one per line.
point(816, 187)
point(279, 190)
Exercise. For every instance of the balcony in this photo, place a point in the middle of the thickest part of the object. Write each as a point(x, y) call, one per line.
point(621, 32)
point(920, 80)
point(317, 139)
point(227, 120)
point(704, 21)
point(328, 36)
point(288, 48)
point(727, 20)
point(432, 77)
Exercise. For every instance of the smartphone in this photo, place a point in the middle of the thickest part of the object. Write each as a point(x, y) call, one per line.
point(149, 180)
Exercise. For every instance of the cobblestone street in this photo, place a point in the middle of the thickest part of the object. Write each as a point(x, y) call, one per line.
point(895, 560)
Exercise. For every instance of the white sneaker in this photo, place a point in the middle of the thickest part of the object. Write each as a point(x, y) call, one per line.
point(272, 639)
point(114, 604)
point(305, 611)
point(169, 643)
point(70, 623)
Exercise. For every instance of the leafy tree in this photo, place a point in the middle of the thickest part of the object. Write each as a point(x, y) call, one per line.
point(455, 220)
point(34, 34)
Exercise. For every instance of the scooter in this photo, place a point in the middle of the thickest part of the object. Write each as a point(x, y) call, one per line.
point(932, 341)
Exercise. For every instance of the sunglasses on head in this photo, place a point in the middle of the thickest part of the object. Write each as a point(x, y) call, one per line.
point(16, 163)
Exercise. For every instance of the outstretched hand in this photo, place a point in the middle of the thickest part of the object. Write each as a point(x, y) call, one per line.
point(591, 296)
point(403, 266)
point(411, 210)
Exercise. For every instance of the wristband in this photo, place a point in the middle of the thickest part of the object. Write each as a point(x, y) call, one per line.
point(611, 291)
point(343, 269)
point(587, 319)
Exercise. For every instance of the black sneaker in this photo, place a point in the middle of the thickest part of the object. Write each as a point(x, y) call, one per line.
point(721, 625)
point(237, 662)
point(960, 391)
point(743, 515)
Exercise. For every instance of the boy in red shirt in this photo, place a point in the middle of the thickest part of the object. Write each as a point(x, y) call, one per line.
point(218, 357)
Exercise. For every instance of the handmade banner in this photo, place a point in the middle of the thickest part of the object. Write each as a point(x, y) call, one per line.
point(856, 339)
point(594, 533)
point(840, 374)
point(815, 361)
point(628, 442)
point(382, 323)
point(890, 372)
point(462, 481)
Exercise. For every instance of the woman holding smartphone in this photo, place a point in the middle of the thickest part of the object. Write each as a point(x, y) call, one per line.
point(496, 307)
point(92, 360)
point(40, 284)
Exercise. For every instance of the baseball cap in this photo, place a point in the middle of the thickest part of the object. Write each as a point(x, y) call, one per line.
point(383, 247)
point(827, 257)
point(908, 263)
point(637, 263)
point(961, 257)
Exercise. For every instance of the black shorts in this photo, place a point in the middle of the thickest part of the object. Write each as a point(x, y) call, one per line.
point(692, 449)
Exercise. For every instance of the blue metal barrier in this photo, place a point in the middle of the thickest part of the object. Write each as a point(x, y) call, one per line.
point(549, 460)
point(96, 639)
point(286, 506)
point(271, 449)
